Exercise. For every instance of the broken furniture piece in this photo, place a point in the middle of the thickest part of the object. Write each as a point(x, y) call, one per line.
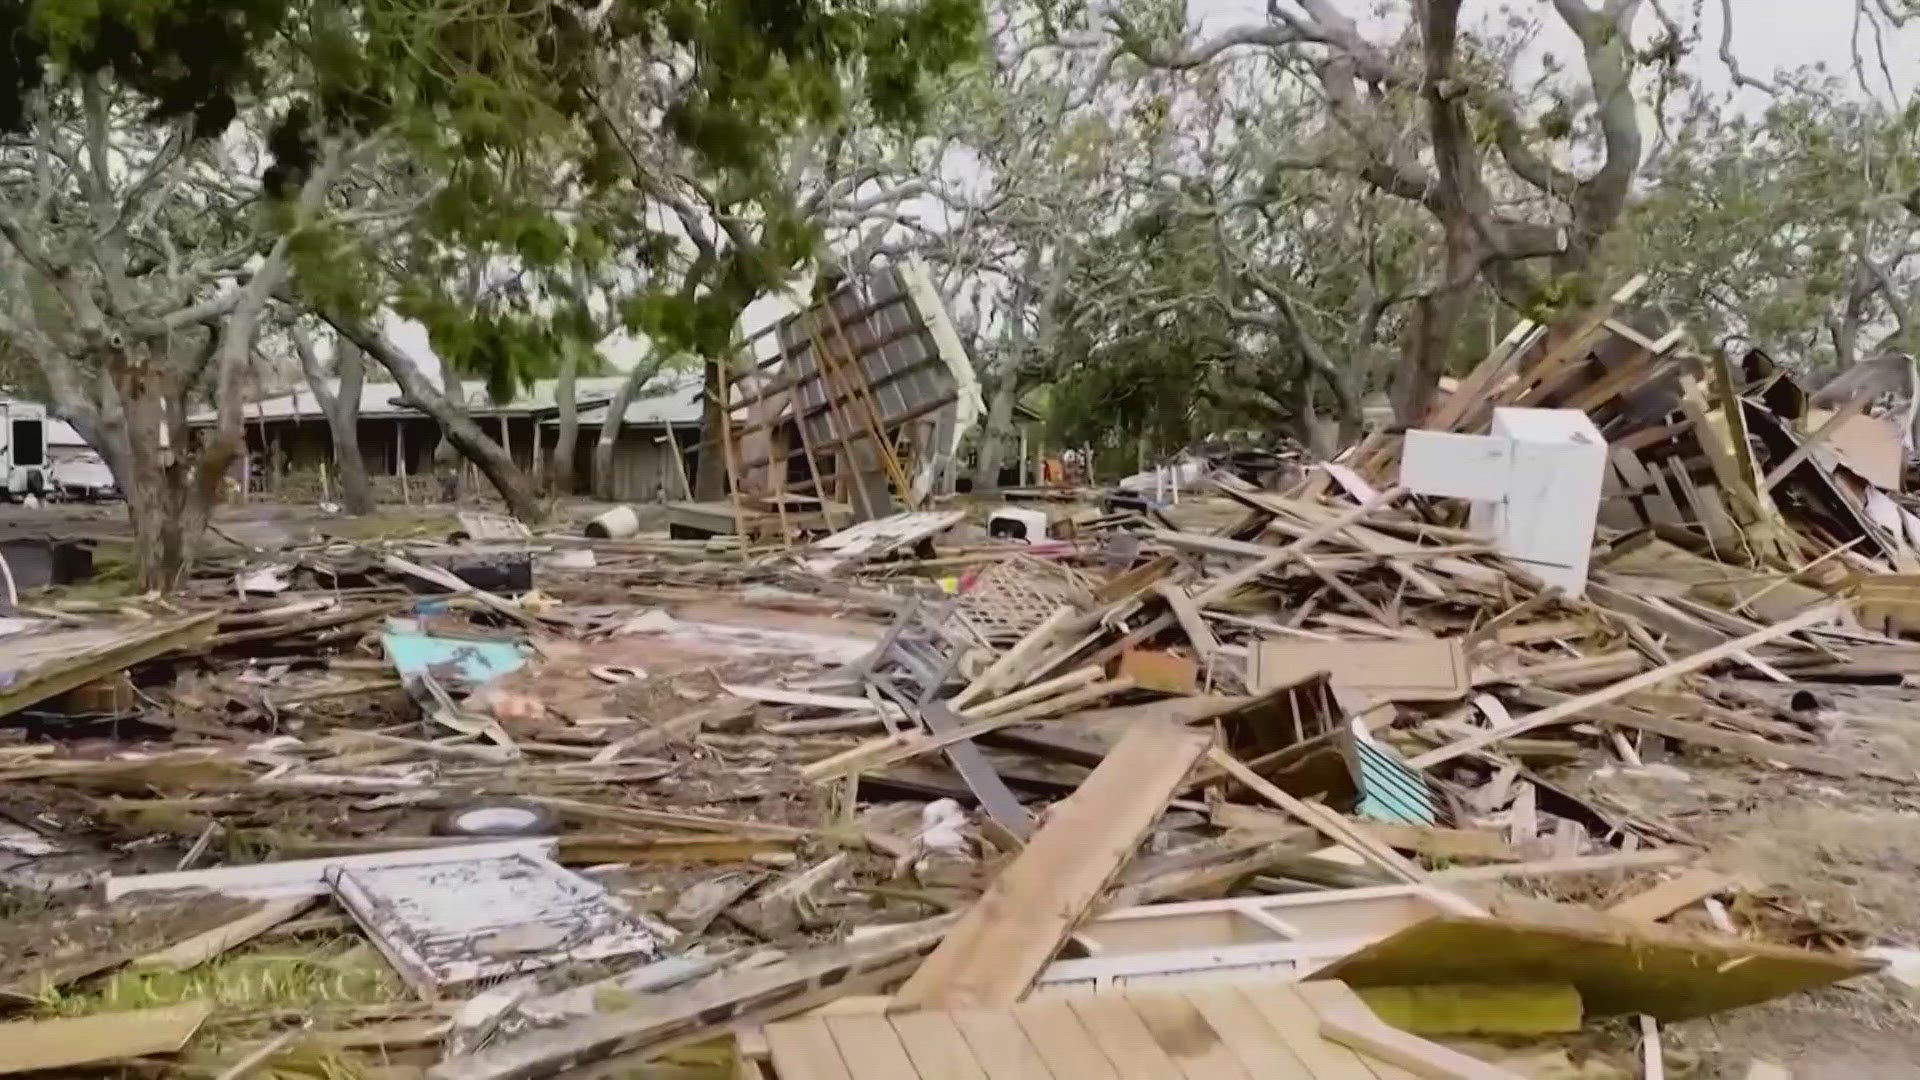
point(1534, 484)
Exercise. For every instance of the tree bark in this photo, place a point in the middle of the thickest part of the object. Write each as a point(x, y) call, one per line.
point(342, 411)
point(457, 428)
point(641, 374)
point(356, 490)
point(560, 466)
point(997, 430)
point(710, 478)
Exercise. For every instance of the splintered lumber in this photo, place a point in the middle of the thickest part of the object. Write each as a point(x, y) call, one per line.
point(1003, 941)
point(34, 1045)
point(1671, 895)
point(205, 946)
point(1573, 707)
point(1345, 1019)
point(877, 754)
point(1619, 966)
point(1335, 827)
point(1027, 695)
point(1003, 670)
point(800, 981)
point(1225, 586)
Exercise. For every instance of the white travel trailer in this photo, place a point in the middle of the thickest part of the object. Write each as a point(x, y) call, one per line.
point(23, 449)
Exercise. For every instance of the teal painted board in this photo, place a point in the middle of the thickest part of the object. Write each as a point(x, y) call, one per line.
point(1389, 790)
point(460, 660)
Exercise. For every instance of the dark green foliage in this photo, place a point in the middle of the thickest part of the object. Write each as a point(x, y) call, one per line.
point(22, 64)
point(189, 57)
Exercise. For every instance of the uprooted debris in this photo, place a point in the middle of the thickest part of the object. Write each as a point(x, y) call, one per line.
point(582, 809)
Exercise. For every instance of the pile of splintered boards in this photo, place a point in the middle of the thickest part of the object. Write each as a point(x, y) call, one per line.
point(1302, 783)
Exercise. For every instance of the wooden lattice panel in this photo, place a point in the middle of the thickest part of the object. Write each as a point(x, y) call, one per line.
point(1012, 597)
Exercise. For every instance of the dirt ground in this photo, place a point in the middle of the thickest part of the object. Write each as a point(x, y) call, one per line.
point(1828, 861)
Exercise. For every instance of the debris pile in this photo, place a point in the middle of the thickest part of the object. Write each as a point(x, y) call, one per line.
point(1329, 773)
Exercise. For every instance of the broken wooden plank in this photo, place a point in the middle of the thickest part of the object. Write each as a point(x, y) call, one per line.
point(1199, 634)
point(1574, 707)
point(202, 947)
point(34, 1045)
point(1003, 941)
point(979, 773)
point(1578, 864)
point(1673, 894)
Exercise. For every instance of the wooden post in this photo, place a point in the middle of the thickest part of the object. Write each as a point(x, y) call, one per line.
point(400, 461)
point(679, 463)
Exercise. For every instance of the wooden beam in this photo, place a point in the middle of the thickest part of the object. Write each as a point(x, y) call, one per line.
point(1573, 707)
point(1002, 942)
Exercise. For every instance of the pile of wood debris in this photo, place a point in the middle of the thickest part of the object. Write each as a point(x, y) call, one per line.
point(1265, 784)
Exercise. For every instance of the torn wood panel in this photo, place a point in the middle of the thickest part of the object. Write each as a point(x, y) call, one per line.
point(42, 666)
point(1004, 940)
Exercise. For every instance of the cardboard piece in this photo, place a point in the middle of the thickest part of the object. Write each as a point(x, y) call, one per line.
point(1434, 670)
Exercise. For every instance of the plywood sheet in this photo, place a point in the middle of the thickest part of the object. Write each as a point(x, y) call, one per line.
point(1618, 966)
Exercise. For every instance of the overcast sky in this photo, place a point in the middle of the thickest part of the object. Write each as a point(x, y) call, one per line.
point(1768, 35)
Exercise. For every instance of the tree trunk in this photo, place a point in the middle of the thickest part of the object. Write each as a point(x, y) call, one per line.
point(356, 490)
point(342, 411)
point(560, 466)
point(457, 428)
point(1429, 338)
point(155, 482)
point(997, 430)
point(710, 480)
point(642, 373)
